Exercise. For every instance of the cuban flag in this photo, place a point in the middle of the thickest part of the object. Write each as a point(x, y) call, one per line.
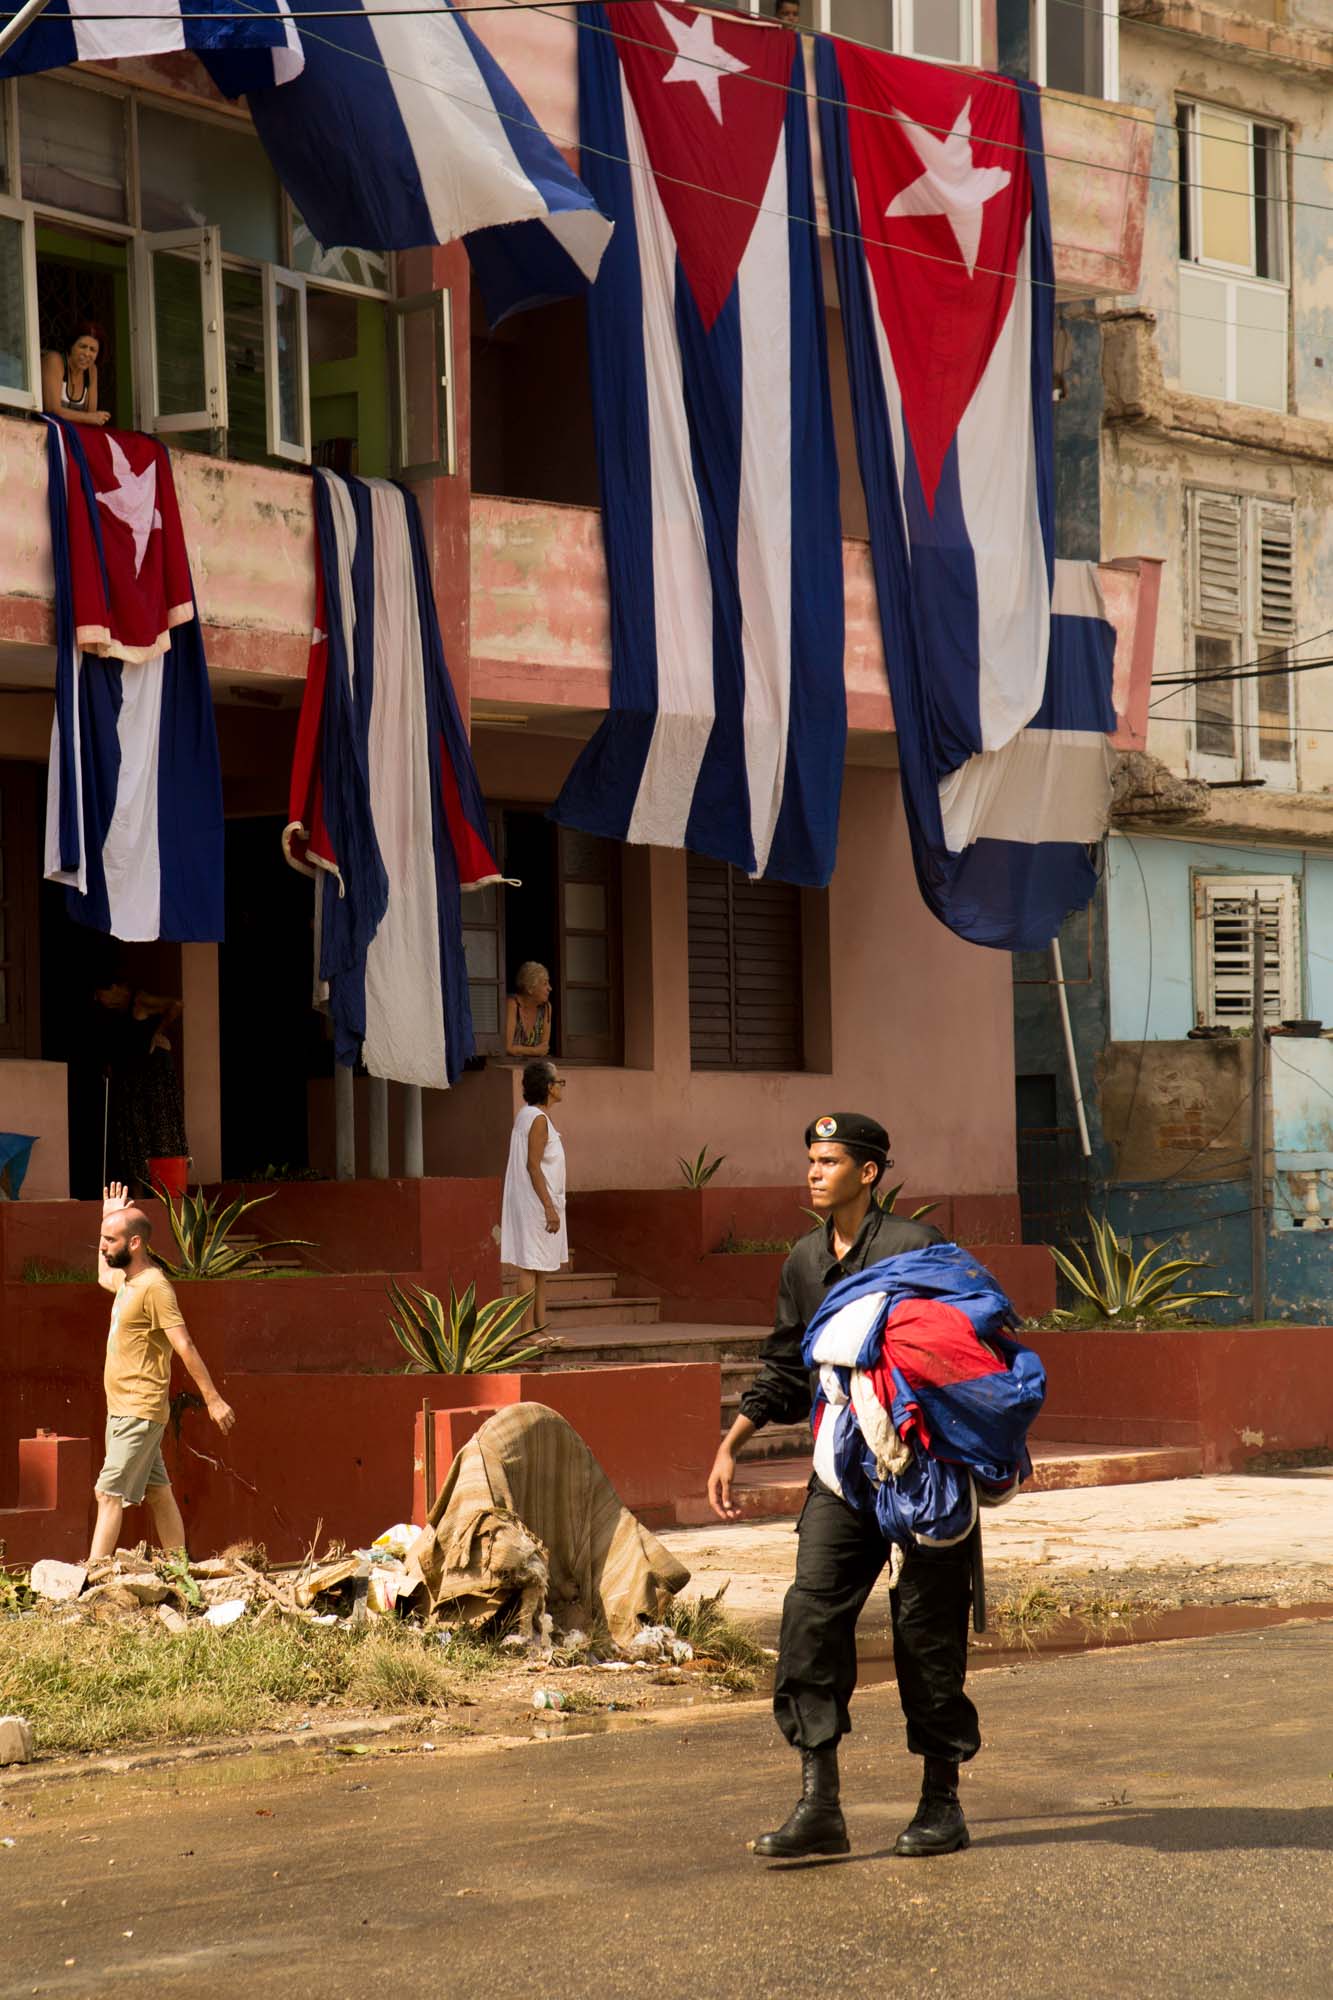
point(999, 657)
point(727, 719)
point(134, 785)
point(403, 130)
point(385, 808)
point(258, 39)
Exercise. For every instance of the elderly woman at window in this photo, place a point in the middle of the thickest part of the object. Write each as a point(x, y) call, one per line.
point(528, 1013)
point(69, 380)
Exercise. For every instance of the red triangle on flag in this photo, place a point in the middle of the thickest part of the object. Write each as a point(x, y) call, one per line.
point(710, 96)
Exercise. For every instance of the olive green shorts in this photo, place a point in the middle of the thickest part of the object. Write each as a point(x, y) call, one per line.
point(133, 1459)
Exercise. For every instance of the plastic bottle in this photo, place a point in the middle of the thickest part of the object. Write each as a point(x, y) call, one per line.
point(549, 1698)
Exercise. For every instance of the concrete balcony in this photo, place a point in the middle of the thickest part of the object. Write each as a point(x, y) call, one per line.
point(251, 537)
point(1098, 155)
point(541, 636)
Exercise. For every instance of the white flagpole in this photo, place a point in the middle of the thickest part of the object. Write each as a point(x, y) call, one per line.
point(23, 19)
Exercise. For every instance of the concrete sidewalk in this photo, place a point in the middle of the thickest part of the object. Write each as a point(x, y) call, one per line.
point(1179, 1531)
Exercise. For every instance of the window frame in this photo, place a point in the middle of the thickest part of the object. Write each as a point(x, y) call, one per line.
point(148, 244)
point(591, 1048)
point(1279, 891)
point(15, 209)
point(1202, 277)
point(1244, 626)
point(445, 462)
point(1110, 32)
point(272, 278)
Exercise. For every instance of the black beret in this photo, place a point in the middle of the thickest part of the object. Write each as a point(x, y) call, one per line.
point(849, 1128)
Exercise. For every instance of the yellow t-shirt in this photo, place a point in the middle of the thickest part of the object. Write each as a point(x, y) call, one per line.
point(138, 1353)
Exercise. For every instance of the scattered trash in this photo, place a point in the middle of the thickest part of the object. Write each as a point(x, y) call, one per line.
point(16, 1746)
point(226, 1613)
point(8, 1841)
point(173, 1619)
point(57, 1580)
point(549, 1698)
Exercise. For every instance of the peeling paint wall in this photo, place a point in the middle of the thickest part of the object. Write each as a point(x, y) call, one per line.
point(1148, 465)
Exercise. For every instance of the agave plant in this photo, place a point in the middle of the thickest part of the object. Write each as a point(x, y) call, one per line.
point(697, 1173)
point(888, 1202)
point(462, 1338)
point(202, 1230)
point(1118, 1288)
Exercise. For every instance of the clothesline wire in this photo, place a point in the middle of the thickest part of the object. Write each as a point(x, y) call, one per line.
point(549, 10)
point(530, 124)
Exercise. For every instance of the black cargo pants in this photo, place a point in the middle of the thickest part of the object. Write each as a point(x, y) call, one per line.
point(839, 1558)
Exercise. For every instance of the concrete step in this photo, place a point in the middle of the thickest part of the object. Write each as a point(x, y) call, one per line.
point(775, 1488)
point(606, 1318)
point(567, 1287)
point(592, 1341)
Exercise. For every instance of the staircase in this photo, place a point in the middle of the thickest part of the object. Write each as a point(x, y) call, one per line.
point(589, 1301)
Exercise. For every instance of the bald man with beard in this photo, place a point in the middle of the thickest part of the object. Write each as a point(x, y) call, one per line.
point(146, 1329)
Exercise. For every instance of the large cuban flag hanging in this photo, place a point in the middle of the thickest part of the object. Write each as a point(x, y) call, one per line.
point(258, 38)
point(727, 719)
point(403, 130)
point(385, 807)
point(999, 657)
point(134, 785)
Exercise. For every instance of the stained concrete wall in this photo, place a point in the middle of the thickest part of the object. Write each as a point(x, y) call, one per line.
point(1155, 453)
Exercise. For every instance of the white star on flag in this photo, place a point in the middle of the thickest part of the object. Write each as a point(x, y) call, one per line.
point(133, 500)
point(952, 185)
point(699, 60)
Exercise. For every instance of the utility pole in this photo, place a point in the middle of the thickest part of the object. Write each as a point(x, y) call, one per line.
point(1258, 1129)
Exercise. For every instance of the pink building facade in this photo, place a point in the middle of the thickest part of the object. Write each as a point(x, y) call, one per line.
point(692, 1008)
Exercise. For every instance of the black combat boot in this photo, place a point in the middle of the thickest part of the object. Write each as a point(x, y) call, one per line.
point(815, 1824)
point(939, 1826)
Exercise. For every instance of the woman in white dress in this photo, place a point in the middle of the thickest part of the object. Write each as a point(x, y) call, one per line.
point(532, 1221)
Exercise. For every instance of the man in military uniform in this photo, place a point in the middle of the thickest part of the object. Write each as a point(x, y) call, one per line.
point(841, 1551)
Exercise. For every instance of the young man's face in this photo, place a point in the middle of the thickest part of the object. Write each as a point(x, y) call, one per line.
point(834, 1177)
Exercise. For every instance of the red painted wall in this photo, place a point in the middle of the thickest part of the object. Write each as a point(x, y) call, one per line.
point(1236, 1393)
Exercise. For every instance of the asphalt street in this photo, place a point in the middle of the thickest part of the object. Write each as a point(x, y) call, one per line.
point(1157, 1821)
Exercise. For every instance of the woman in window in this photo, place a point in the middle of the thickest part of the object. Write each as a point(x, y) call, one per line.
point(528, 1013)
point(533, 1238)
point(69, 380)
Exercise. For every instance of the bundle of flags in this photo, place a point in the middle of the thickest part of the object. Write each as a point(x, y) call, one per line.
point(924, 1402)
point(385, 805)
point(134, 785)
point(715, 445)
point(999, 657)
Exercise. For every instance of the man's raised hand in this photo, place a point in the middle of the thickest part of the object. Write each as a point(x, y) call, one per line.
point(114, 1197)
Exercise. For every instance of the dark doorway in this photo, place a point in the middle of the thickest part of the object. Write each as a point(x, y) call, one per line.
point(70, 291)
point(272, 1039)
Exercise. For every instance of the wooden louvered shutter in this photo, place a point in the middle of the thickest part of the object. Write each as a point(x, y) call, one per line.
point(1275, 621)
point(1224, 948)
point(1217, 575)
point(745, 970)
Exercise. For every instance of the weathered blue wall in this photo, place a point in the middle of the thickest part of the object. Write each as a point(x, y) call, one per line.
point(1150, 927)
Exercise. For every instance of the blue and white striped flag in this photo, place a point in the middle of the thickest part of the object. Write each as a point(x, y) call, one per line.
point(258, 38)
point(403, 130)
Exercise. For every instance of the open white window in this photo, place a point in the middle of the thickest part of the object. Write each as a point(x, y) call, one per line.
point(180, 352)
point(423, 386)
point(1233, 257)
point(286, 365)
point(1224, 945)
point(20, 349)
point(1242, 614)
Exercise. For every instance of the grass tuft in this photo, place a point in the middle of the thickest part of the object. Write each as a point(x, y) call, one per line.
point(399, 1673)
point(713, 1634)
